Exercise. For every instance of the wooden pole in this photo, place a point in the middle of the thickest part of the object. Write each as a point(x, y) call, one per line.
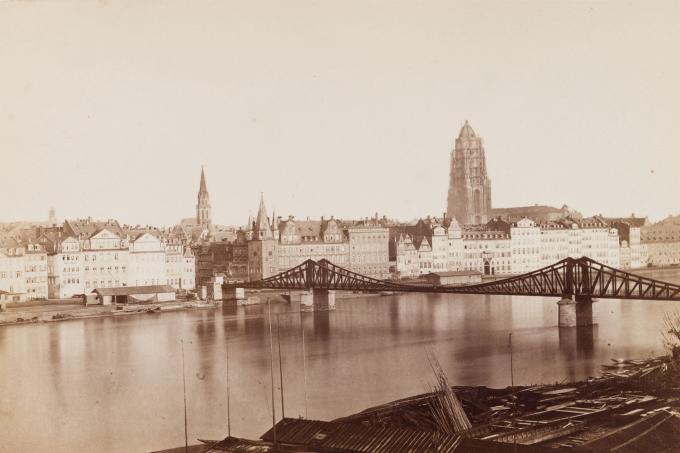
point(512, 376)
point(271, 369)
point(278, 340)
point(184, 390)
point(228, 395)
point(304, 361)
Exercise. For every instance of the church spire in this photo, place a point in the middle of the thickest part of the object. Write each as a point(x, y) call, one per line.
point(262, 229)
point(203, 188)
point(203, 217)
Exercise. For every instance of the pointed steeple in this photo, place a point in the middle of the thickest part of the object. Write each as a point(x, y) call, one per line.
point(262, 229)
point(203, 216)
point(202, 188)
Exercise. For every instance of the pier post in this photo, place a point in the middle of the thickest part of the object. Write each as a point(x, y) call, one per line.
point(575, 311)
point(306, 301)
point(324, 299)
point(317, 299)
point(239, 293)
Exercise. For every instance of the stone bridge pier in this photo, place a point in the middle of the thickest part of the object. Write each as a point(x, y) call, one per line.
point(317, 300)
point(575, 311)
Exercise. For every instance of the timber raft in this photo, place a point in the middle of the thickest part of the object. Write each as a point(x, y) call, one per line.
point(633, 406)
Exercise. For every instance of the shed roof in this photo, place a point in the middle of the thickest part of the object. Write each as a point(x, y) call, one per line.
point(455, 273)
point(129, 290)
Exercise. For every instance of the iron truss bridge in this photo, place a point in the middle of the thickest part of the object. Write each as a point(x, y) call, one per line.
point(578, 277)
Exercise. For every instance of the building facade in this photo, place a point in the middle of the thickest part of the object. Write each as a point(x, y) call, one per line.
point(35, 270)
point(146, 261)
point(525, 239)
point(180, 265)
point(64, 267)
point(662, 242)
point(488, 251)
point(368, 245)
point(12, 268)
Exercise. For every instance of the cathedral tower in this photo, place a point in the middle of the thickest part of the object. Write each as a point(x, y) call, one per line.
point(203, 204)
point(469, 199)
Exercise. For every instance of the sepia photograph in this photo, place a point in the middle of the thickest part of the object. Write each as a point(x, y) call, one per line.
point(325, 226)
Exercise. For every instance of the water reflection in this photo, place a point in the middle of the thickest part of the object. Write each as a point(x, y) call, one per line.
point(576, 346)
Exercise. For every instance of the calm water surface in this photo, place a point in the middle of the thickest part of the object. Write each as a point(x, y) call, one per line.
point(115, 384)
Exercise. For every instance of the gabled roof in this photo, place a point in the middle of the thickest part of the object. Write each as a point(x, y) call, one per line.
point(137, 234)
point(422, 241)
point(85, 228)
point(593, 222)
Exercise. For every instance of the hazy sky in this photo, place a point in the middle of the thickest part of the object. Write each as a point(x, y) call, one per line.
point(338, 108)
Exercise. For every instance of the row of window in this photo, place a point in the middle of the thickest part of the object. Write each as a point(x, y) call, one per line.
point(102, 284)
point(35, 269)
point(101, 269)
point(9, 274)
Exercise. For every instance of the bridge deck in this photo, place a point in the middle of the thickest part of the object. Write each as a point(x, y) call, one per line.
point(570, 277)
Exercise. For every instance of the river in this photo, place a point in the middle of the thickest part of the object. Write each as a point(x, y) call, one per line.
point(114, 384)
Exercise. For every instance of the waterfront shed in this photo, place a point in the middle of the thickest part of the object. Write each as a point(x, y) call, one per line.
point(454, 278)
point(135, 294)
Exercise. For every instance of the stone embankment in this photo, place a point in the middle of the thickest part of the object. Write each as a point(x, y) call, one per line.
point(61, 312)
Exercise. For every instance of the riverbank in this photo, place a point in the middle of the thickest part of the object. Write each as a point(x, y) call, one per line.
point(57, 312)
point(63, 310)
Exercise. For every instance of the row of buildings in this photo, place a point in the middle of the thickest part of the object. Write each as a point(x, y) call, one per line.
point(384, 249)
point(80, 255)
point(269, 245)
point(503, 247)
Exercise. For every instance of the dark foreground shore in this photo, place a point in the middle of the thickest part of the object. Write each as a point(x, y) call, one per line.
point(632, 407)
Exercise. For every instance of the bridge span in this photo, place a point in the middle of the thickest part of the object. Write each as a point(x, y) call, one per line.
point(575, 281)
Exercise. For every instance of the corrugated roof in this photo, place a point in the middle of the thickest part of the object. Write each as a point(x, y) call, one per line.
point(128, 290)
point(344, 437)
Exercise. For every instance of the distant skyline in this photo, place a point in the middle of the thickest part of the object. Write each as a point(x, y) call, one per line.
point(109, 109)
